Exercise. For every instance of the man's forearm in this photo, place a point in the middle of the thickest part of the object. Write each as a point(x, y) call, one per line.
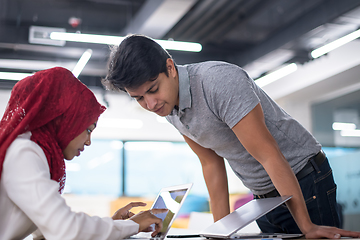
point(214, 171)
point(287, 184)
point(217, 184)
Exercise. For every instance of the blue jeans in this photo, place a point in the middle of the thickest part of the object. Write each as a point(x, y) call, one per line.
point(319, 190)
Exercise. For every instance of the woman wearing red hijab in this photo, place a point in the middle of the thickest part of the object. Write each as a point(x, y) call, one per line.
point(49, 117)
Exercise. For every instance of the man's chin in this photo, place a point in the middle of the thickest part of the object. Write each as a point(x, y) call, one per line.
point(162, 114)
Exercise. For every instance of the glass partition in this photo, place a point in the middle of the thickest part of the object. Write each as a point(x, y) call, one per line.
point(97, 171)
point(133, 168)
point(151, 165)
point(345, 163)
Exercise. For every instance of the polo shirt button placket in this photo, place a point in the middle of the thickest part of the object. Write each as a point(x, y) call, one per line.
point(187, 127)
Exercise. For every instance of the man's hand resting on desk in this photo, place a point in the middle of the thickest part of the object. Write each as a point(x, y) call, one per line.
point(147, 218)
point(317, 232)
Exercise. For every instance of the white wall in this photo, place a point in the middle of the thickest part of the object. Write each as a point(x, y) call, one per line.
point(328, 77)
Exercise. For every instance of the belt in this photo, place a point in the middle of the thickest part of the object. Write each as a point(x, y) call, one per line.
point(313, 164)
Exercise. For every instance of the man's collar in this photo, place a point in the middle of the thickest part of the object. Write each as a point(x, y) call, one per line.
point(184, 89)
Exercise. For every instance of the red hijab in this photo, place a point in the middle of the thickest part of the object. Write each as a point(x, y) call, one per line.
point(56, 107)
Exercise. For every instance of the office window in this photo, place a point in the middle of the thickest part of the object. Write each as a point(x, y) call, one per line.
point(153, 165)
point(97, 171)
point(134, 168)
point(346, 170)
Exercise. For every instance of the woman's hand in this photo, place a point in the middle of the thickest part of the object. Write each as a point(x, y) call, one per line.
point(124, 213)
point(147, 218)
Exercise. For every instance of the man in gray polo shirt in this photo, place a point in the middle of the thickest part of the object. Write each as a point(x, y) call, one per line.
point(223, 114)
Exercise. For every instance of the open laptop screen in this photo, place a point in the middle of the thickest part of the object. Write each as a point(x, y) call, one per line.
point(172, 199)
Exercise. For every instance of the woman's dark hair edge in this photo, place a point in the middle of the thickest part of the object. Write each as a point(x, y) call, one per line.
point(136, 60)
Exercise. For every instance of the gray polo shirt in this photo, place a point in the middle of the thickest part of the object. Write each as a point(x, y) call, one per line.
point(213, 98)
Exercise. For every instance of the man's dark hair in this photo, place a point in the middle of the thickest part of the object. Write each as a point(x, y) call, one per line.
point(138, 59)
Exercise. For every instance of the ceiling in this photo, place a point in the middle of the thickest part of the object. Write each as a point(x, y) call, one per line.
point(258, 35)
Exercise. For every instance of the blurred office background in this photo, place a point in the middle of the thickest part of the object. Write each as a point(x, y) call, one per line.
point(134, 152)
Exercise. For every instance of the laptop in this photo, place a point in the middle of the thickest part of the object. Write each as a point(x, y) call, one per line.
point(171, 198)
point(228, 226)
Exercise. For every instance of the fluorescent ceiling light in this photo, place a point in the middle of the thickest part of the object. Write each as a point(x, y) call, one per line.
point(350, 133)
point(115, 40)
point(33, 65)
point(335, 44)
point(14, 76)
point(180, 46)
point(82, 62)
point(268, 62)
point(343, 126)
point(119, 123)
point(276, 75)
point(86, 38)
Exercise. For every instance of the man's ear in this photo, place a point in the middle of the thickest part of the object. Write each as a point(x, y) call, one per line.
point(171, 67)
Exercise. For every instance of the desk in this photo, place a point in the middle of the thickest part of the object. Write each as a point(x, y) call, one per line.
point(176, 231)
